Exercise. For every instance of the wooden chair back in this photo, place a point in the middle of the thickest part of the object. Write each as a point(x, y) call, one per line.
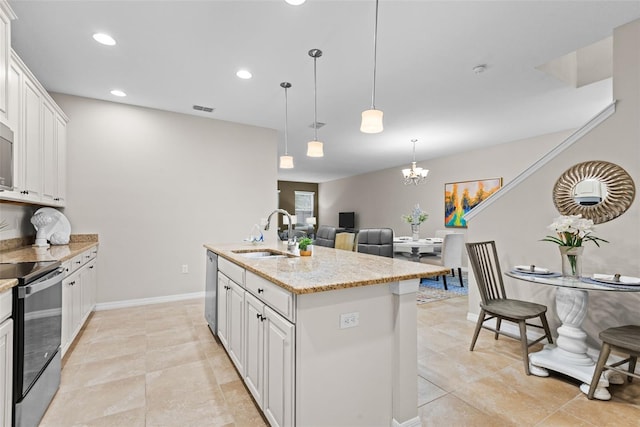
point(486, 270)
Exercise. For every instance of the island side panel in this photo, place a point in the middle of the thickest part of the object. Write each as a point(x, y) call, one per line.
point(344, 376)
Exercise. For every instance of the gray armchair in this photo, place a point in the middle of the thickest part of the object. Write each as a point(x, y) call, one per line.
point(326, 236)
point(376, 241)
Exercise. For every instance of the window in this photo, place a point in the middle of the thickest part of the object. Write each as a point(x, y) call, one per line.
point(304, 206)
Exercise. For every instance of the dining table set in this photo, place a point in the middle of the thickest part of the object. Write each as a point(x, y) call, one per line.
point(570, 354)
point(426, 246)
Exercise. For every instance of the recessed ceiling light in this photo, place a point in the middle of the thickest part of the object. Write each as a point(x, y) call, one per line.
point(117, 92)
point(295, 2)
point(244, 74)
point(104, 39)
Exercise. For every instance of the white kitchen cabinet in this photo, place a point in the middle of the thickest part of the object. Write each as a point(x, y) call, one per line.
point(223, 287)
point(235, 322)
point(78, 294)
point(71, 309)
point(269, 357)
point(6, 16)
point(6, 358)
point(31, 129)
point(40, 146)
point(49, 153)
point(254, 346)
point(230, 319)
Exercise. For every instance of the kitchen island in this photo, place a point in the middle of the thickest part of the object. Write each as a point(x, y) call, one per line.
point(326, 340)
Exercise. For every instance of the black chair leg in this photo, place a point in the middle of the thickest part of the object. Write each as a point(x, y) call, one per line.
point(444, 282)
point(632, 367)
point(460, 277)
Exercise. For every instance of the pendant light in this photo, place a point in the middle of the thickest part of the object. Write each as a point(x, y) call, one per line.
point(372, 118)
point(414, 175)
point(286, 161)
point(314, 148)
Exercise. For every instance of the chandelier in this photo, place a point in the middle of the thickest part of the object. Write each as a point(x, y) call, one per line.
point(414, 175)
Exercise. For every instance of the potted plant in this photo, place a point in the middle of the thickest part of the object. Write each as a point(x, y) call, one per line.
point(304, 246)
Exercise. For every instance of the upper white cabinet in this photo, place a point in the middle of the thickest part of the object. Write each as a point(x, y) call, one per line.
point(6, 16)
point(38, 125)
point(39, 141)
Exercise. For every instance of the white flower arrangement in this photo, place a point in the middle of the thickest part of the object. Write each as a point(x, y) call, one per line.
point(572, 231)
point(417, 216)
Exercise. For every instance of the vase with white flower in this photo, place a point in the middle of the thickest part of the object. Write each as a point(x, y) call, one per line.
point(571, 232)
point(415, 218)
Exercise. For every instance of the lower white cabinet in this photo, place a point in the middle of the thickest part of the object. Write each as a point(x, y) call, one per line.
point(259, 340)
point(269, 356)
point(231, 319)
point(6, 358)
point(78, 294)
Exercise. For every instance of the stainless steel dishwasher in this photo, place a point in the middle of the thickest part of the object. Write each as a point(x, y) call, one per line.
point(211, 289)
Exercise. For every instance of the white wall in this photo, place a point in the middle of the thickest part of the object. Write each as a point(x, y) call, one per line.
point(518, 220)
point(156, 185)
point(380, 198)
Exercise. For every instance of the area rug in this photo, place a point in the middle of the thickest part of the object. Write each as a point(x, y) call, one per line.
point(431, 290)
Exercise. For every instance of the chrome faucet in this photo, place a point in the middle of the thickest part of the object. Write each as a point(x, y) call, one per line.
point(291, 240)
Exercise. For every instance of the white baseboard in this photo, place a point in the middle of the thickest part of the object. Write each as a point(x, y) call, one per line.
point(413, 422)
point(147, 301)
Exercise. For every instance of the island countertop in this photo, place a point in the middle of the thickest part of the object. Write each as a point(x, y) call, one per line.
point(327, 269)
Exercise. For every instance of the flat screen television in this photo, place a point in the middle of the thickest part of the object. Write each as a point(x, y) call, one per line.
point(347, 220)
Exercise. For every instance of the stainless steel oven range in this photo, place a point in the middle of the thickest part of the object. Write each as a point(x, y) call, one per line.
point(37, 316)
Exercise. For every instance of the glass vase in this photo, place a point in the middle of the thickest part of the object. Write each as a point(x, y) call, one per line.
point(415, 232)
point(571, 261)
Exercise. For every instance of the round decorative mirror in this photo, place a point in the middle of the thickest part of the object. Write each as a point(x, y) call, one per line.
point(600, 191)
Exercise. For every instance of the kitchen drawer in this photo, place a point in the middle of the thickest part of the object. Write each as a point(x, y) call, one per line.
point(88, 255)
point(231, 270)
point(76, 263)
point(6, 303)
point(271, 294)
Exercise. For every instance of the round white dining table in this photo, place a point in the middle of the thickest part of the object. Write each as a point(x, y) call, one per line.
point(417, 246)
point(571, 355)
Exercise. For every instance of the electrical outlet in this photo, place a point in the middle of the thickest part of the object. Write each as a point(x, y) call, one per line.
point(349, 320)
point(185, 268)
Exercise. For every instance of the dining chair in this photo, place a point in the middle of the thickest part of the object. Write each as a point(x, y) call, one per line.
point(345, 241)
point(495, 304)
point(450, 257)
point(326, 236)
point(625, 339)
point(376, 241)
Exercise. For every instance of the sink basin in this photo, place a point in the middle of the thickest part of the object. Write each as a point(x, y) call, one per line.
point(260, 254)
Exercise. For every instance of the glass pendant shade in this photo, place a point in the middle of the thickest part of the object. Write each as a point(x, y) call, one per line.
point(286, 162)
point(314, 149)
point(371, 121)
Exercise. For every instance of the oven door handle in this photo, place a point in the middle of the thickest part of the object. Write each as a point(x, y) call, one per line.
point(26, 291)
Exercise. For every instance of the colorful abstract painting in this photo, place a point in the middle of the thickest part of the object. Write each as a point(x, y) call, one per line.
point(461, 197)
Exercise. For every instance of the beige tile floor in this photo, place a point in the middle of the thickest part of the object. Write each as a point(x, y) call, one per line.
point(159, 366)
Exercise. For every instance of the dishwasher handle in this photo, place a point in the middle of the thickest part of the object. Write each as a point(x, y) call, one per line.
point(52, 280)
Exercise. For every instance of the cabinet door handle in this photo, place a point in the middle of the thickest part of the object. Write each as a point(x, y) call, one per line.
point(91, 266)
point(78, 262)
point(259, 316)
point(260, 290)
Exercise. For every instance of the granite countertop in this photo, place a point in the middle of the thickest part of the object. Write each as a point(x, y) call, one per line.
point(31, 254)
point(327, 269)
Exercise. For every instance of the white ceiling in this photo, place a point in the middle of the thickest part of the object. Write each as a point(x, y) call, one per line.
point(174, 54)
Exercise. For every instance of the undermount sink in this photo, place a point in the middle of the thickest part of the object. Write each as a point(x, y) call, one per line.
point(260, 254)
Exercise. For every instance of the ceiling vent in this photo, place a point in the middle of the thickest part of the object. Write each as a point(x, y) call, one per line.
point(203, 109)
point(316, 125)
